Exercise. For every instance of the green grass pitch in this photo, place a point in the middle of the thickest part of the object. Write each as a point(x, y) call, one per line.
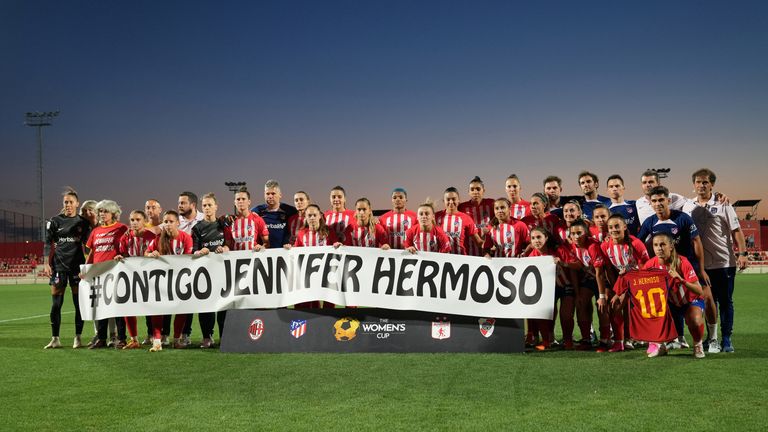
point(193, 389)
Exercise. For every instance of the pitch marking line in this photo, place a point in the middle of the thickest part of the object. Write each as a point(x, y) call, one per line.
point(31, 317)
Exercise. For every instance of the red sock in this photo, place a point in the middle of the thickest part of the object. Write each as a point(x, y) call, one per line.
point(178, 325)
point(130, 323)
point(617, 320)
point(157, 326)
point(566, 324)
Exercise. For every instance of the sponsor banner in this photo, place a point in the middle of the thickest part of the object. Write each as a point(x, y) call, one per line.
point(347, 276)
point(368, 330)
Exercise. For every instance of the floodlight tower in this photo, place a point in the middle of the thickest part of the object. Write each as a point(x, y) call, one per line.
point(662, 172)
point(40, 120)
point(234, 186)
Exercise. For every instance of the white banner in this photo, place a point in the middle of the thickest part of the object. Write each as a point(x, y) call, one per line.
point(347, 276)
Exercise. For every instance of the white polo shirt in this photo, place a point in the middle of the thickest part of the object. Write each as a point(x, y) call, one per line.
point(716, 222)
point(187, 224)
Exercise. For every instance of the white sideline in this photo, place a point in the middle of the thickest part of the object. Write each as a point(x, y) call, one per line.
point(32, 317)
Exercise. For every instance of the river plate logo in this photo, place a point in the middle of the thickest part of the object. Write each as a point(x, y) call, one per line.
point(345, 329)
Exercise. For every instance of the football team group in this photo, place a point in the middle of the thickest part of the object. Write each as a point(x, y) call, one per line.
point(664, 260)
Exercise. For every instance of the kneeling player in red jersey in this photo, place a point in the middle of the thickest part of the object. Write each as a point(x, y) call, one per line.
point(686, 293)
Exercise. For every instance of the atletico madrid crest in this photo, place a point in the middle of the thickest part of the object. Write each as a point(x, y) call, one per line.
point(298, 328)
point(486, 326)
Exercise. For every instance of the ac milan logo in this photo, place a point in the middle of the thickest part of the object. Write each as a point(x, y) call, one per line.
point(486, 326)
point(298, 328)
point(256, 329)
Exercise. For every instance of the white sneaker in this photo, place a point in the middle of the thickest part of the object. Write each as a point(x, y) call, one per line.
point(164, 340)
point(714, 346)
point(94, 339)
point(112, 342)
point(185, 339)
point(77, 343)
point(683, 342)
point(675, 344)
point(157, 345)
point(628, 345)
point(698, 350)
point(54, 343)
point(147, 341)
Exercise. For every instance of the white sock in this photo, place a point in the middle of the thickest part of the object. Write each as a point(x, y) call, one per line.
point(712, 331)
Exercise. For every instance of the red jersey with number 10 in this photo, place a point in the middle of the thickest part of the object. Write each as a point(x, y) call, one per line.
point(649, 317)
point(680, 295)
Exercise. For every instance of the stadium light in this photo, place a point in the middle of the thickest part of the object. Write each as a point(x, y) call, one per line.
point(40, 120)
point(662, 172)
point(233, 187)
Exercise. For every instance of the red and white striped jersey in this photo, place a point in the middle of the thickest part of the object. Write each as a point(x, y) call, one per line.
point(566, 256)
point(338, 221)
point(520, 209)
point(551, 222)
point(356, 235)
point(679, 294)
point(181, 245)
point(459, 228)
point(246, 232)
point(295, 224)
point(132, 245)
point(590, 255)
point(625, 256)
point(506, 240)
point(597, 234)
point(307, 237)
point(481, 213)
point(432, 241)
point(396, 224)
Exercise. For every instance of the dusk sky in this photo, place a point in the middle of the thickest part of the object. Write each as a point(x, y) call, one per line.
point(161, 97)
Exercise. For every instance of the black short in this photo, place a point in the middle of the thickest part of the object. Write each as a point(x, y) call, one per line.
point(61, 279)
point(561, 292)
